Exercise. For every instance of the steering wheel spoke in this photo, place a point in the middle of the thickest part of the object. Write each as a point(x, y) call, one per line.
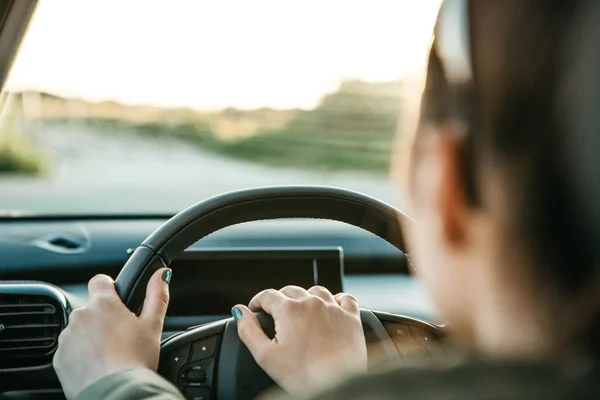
point(210, 361)
point(189, 359)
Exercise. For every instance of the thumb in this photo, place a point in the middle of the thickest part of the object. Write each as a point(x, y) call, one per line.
point(250, 332)
point(157, 299)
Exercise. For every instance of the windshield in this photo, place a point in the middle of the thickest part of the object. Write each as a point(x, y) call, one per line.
point(146, 107)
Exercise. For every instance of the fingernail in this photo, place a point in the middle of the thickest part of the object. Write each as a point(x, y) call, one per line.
point(166, 275)
point(236, 313)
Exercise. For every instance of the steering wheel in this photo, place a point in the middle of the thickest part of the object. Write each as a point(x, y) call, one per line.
point(210, 360)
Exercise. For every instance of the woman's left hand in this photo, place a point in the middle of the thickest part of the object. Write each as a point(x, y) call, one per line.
point(104, 337)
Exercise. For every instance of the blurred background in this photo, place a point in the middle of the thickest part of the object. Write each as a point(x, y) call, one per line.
point(145, 107)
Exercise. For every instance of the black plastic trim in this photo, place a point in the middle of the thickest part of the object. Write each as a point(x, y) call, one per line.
point(402, 319)
point(191, 335)
point(42, 289)
point(41, 394)
point(13, 26)
point(80, 217)
point(379, 341)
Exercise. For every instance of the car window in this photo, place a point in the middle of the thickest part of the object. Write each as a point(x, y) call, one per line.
point(125, 107)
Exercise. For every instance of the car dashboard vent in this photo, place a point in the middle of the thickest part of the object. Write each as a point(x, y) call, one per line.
point(31, 318)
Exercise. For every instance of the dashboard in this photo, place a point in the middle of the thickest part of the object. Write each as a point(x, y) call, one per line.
point(221, 269)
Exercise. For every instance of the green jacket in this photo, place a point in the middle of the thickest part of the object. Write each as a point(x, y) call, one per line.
point(471, 380)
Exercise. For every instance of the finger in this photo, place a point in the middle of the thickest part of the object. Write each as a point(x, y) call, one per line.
point(157, 299)
point(323, 293)
point(347, 302)
point(294, 292)
point(101, 285)
point(267, 300)
point(251, 333)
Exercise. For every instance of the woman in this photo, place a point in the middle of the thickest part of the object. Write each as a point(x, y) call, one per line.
point(504, 194)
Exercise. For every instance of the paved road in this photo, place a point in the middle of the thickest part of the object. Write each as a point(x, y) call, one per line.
point(101, 172)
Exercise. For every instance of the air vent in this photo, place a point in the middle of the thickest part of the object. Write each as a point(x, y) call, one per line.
point(65, 243)
point(30, 322)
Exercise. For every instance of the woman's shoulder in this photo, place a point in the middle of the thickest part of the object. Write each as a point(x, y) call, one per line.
point(470, 378)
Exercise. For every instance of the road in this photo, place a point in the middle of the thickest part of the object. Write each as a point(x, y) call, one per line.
point(110, 172)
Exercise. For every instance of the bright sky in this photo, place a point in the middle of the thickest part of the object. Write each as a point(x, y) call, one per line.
point(219, 53)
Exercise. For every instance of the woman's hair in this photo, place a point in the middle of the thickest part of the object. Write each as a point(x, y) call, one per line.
point(534, 121)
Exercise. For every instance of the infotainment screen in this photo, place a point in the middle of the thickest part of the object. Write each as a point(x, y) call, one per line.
point(210, 282)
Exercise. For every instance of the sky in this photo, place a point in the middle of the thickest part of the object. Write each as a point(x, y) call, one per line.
point(219, 53)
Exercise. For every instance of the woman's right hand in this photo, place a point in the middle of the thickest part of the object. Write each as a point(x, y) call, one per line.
point(318, 337)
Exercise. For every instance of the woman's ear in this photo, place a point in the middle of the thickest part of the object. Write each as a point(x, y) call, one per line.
point(439, 184)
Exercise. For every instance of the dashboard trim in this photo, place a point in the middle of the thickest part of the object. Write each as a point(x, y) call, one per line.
point(36, 288)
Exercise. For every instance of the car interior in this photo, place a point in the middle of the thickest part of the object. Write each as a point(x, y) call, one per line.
point(223, 249)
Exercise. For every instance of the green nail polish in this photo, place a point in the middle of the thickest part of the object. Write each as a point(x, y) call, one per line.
point(236, 313)
point(166, 275)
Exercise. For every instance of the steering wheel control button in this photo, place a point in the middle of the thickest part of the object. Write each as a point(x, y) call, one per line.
point(412, 350)
point(204, 349)
point(197, 394)
point(172, 363)
point(197, 374)
point(424, 337)
point(180, 356)
point(399, 332)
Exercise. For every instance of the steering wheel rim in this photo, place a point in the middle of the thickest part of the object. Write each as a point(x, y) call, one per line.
point(229, 360)
point(275, 202)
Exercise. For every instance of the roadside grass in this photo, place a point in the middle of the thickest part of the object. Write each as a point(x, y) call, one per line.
point(19, 156)
point(311, 150)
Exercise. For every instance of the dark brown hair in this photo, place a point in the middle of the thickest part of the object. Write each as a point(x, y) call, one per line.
point(533, 119)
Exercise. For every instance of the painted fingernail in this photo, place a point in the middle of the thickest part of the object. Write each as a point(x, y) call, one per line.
point(166, 275)
point(236, 313)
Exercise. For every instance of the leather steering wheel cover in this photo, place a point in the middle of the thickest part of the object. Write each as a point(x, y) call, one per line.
point(275, 202)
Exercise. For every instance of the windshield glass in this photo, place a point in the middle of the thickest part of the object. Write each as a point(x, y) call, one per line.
point(145, 107)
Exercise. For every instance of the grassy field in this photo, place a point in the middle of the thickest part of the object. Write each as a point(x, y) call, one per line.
point(20, 156)
point(308, 150)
